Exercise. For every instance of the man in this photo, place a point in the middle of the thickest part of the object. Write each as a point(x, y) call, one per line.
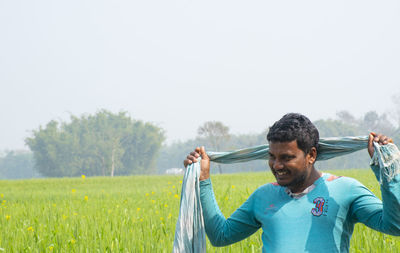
point(305, 210)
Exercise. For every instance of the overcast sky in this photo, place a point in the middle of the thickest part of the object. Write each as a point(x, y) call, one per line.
point(180, 63)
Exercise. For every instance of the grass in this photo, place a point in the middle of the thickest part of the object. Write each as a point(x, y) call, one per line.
point(131, 214)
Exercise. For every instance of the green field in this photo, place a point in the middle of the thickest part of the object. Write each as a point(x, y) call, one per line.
point(131, 214)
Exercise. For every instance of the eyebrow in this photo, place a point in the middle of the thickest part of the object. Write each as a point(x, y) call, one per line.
point(282, 155)
point(288, 155)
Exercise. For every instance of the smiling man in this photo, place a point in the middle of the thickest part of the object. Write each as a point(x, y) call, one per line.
point(305, 210)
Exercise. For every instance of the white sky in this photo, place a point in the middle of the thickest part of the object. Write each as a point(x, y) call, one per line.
point(180, 63)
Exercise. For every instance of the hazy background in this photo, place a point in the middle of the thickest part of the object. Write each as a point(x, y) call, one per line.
point(181, 63)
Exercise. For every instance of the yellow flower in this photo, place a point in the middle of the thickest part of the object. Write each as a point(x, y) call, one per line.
point(30, 229)
point(86, 198)
point(2, 195)
point(153, 201)
point(233, 187)
point(4, 201)
point(138, 209)
point(65, 216)
point(8, 217)
point(176, 196)
point(152, 193)
point(75, 213)
point(54, 205)
point(226, 198)
point(169, 216)
point(141, 219)
point(161, 218)
point(180, 182)
point(73, 241)
point(165, 205)
point(83, 176)
point(51, 247)
point(169, 193)
point(147, 194)
point(73, 190)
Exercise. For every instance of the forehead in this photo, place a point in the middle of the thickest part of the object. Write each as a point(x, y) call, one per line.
point(277, 148)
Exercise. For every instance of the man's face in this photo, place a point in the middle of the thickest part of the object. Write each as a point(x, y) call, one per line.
point(290, 166)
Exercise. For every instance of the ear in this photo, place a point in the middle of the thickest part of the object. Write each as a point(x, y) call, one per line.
point(312, 155)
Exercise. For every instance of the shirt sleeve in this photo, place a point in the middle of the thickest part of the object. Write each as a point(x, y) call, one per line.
point(221, 231)
point(384, 215)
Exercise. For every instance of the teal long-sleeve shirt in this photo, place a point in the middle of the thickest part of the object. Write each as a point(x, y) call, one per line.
point(321, 221)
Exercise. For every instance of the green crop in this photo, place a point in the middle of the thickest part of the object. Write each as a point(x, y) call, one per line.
point(131, 214)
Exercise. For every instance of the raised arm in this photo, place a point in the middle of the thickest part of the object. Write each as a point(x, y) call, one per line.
point(382, 216)
point(221, 231)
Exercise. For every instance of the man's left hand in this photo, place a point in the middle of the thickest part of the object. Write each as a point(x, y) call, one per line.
point(380, 139)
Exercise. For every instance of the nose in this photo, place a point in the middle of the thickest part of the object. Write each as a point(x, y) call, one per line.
point(277, 165)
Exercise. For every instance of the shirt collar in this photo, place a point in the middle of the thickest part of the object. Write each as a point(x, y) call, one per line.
point(301, 194)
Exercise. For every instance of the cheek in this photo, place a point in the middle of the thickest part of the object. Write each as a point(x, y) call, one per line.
point(299, 165)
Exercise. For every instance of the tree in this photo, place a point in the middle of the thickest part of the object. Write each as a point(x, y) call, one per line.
point(372, 121)
point(346, 117)
point(17, 165)
point(142, 148)
point(216, 133)
point(96, 145)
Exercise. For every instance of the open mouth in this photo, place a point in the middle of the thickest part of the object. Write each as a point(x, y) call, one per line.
point(281, 173)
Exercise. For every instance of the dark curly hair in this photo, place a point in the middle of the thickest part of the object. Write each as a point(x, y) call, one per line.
point(295, 126)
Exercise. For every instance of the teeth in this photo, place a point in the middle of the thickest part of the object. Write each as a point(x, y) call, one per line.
point(280, 173)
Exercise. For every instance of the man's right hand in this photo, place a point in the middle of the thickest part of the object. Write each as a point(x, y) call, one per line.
point(204, 164)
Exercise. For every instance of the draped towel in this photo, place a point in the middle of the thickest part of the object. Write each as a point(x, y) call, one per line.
point(190, 234)
point(328, 148)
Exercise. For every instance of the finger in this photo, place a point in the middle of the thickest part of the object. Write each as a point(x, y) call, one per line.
point(370, 145)
point(203, 153)
point(371, 138)
point(377, 137)
point(186, 162)
point(192, 158)
point(195, 154)
point(380, 139)
point(385, 140)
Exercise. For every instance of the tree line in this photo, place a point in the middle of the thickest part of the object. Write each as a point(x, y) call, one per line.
point(345, 124)
point(110, 144)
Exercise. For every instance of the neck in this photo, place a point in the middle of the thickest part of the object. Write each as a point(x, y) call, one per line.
point(314, 175)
